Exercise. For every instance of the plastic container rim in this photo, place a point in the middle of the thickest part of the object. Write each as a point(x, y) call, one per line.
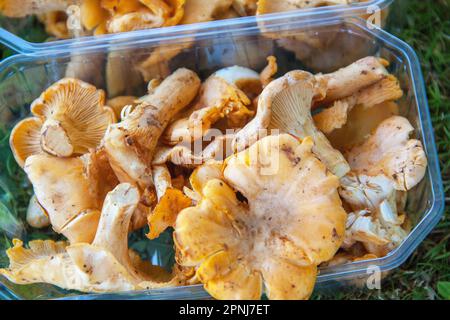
point(22, 46)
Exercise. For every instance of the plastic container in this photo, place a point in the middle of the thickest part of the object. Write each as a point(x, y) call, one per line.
point(10, 27)
point(23, 77)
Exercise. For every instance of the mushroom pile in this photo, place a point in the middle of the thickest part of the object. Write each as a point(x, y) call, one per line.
point(96, 17)
point(262, 179)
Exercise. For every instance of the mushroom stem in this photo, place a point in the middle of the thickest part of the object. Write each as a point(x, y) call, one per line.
point(163, 180)
point(55, 140)
point(137, 135)
point(112, 231)
point(292, 112)
point(348, 80)
point(285, 104)
point(36, 215)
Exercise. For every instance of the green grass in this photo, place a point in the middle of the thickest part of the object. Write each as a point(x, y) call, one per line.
point(427, 30)
point(426, 274)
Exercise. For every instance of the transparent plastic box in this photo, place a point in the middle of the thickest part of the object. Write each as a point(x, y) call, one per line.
point(9, 27)
point(341, 42)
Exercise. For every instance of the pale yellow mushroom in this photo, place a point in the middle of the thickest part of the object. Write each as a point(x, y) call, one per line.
point(131, 143)
point(391, 152)
point(269, 71)
point(361, 122)
point(143, 14)
point(219, 149)
point(386, 165)
point(245, 7)
point(238, 235)
point(74, 117)
point(350, 79)
point(379, 231)
point(118, 104)
point(285, 105)
point(69, 119)
point(71, 190)
point(111, 16)
point(22, 8)
point(87, 68)
point(270, 6)
point(106, 265)
point(92, 14)
point(61, 187)
point(306, 44)
point(204, 10)
point(218, 99)
point(36, 215)
point(179, 155)
point(156, 65)
point(231, 13)
point(25, 139)
point(377, 221)
point(335, 117)
point(245, 79)
point(170, 202)
point(55, 23)
point(134, 21)
point(363, 192)
point(122, 77)
point(200, 176)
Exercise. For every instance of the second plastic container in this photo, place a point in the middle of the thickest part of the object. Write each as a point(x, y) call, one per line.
point(13, 30)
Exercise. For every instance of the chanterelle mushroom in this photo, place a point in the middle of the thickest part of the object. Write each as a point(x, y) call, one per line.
point(269, 71)
point(204, 10)
point(170, 202)
point(120, 102)
point(74, 118)
point(110, 16)
point(285, 104)
point(36, 215)
point(25, 139)
point(106, 265)
point(130, 144)
point(245, 79)
point(360, 123)
point(218, 99)
point(219, 149)
point(143, 14)
point(379, 229)
point(270, 6)
point(387, 89)
point(240, 239)
point(245, 7)
point(71, 190)
point(352, 78)
point(22, 8)
point(55, 23)
point(391, 152)
point(387, 163)
point(363, 192)
point(306, 45)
